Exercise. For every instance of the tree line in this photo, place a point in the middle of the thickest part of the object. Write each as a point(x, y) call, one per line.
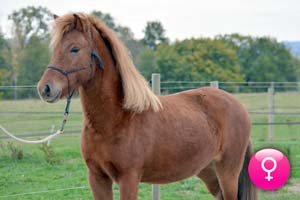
point(24, 54)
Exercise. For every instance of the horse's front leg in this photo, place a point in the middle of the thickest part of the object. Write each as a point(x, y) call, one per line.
point(101, 186)
point(128, 185)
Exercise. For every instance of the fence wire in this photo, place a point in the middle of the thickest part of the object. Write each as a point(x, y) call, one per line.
point(44, 191)
point(254, 95)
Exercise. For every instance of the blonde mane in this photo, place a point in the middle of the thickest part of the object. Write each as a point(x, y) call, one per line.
point(138, 96)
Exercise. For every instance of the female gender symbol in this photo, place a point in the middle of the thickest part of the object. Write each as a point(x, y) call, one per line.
point(269, 177)
point(272, 162)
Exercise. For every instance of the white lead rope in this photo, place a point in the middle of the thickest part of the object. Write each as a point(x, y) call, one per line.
point(46, 139)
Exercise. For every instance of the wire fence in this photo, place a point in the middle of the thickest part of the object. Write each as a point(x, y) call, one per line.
point(271, 104)
point(44, 191)
point(168, 87)
point(233, 87)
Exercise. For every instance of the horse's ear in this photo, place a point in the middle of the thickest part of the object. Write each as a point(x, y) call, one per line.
point(55, 16)
point(77, 22)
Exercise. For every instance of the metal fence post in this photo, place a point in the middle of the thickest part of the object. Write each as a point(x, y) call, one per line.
point(271, 94)
point(156, 89)
point(214, 84)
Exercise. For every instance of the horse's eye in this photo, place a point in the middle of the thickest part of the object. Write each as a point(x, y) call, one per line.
point(74, 50)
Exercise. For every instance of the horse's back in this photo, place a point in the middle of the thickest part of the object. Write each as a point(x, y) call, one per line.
point(212, 101)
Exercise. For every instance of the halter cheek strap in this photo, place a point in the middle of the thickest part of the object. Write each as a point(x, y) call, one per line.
point(95, 55)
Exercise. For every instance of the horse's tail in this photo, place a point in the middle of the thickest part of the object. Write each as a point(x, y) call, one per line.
point(246, 190)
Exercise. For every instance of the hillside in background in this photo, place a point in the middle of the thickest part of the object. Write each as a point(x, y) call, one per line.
point(293, 46)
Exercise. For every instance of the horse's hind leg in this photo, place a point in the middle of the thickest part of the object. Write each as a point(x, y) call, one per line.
point(228, 170)
point(209, 177)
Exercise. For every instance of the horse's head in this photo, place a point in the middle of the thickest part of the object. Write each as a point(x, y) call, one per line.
point(72, 62)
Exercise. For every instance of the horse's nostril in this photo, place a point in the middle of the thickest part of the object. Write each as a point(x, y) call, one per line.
point(47, 90)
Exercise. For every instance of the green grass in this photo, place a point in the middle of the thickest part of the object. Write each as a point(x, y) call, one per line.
point(33, 173)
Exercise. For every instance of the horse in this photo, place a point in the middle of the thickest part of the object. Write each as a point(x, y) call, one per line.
point(129, 134)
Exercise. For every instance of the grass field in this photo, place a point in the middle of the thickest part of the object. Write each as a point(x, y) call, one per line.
point(66, 178)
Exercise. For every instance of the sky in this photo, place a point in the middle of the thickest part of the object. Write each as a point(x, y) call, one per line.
point(184, 18)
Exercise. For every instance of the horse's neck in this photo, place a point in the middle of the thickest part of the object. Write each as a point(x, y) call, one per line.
point(101, 98)
point(101, 103)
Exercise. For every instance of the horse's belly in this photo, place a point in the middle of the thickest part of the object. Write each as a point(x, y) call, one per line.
point(162, 177)
point(168, 171)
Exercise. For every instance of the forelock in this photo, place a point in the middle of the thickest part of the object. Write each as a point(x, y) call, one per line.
point(64, 24)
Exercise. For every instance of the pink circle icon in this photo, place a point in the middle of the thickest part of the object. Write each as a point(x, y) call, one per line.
point(269, 169)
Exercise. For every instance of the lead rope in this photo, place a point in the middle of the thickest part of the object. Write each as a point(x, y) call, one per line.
point(64, 121)
point(46, 139)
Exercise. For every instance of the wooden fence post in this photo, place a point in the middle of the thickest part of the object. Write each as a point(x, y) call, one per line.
point(214, 84)
point(156, 89)
point(271, 94)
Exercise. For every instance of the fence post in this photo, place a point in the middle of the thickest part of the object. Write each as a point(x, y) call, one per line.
point(271, 94)
point(156, 89)
point(155, 80)
point(214, 84)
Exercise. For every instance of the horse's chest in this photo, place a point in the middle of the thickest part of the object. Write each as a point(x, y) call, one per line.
point(104, 156)
point(98, 162)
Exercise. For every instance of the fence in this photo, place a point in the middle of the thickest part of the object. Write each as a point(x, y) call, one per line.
point(270, 104)
point(266, 111)
point(233, 87)
point(168, 87)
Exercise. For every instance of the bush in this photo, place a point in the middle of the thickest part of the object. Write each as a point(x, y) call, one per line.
point(14, 151)
point(49, 154)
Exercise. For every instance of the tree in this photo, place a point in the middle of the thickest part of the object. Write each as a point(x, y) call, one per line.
point(2, 60)
point(263, 58)
point(154, 34)
point(30, 21)
point(2, 45)
point(193, 59)
point(27, 23)
point(106, 18)
point(34, 60)
point(124, 33)
point(146, 62)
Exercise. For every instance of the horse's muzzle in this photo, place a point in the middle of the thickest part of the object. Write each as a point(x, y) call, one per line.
point(49, 93)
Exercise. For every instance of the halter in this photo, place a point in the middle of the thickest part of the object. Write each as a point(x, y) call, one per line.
point(94, 55)
point(69, 97)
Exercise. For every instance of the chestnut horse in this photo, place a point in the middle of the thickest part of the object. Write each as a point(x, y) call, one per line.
point(129, 134)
